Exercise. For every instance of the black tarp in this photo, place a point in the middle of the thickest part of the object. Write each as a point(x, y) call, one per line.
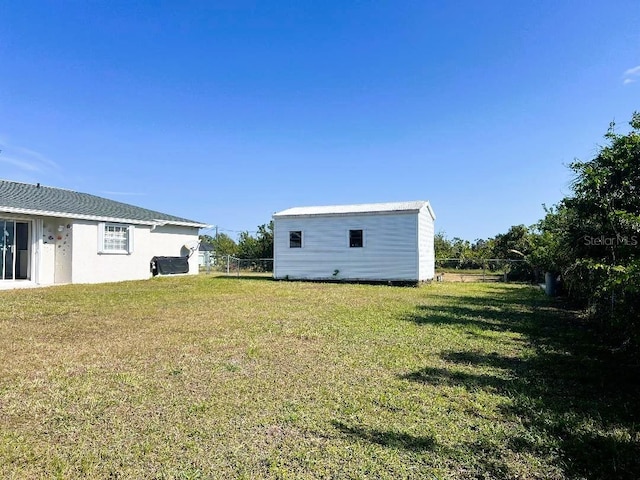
point(169, 265)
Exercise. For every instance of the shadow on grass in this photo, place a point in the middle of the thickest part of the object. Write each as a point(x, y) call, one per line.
point(442, 376)
point(577, 401)
point(388, 439)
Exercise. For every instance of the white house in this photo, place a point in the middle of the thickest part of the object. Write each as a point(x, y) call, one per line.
point(52, 236)
point(367, 242)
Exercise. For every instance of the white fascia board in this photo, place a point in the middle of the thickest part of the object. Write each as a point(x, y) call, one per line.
point(346, 214)
point(182, 224)
point(97, 218)
point(431, 212)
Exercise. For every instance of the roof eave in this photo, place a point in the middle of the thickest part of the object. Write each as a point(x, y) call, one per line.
point(431, 212)
point(184, 224)
point(345, 214)
point(99, 218)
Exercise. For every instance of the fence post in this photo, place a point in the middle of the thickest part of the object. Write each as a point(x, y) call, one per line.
point(228, 260)
point(207, 261)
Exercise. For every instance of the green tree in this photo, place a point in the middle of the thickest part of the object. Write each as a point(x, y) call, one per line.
point(265, 240)
point(514, 244)
point(460, 249)
point(247, 246)
point(260, 246)
point(442, 245)
point(594, 234)
point(222, 244)
point(483, 249)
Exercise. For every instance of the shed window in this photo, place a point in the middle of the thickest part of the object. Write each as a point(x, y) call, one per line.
point(295, 239)
point(115, 238)
point(355, 239)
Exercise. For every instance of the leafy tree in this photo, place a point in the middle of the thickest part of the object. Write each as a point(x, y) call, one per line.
point(550, 248)
point(515, 244)
point(260, 246)
point(483, 249)
point(222, 244)
point(265, 240)
point(247, 246)
point(593, 236)
point(460, 248)
point(442, 245)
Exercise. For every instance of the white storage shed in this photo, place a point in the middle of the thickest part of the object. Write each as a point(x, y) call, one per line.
point(376, 242)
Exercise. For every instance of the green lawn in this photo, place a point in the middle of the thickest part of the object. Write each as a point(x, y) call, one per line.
point(214, 377)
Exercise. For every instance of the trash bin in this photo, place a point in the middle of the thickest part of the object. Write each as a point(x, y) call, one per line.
point(550, 284)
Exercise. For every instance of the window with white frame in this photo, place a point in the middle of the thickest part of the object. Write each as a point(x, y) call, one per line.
point(115, 238)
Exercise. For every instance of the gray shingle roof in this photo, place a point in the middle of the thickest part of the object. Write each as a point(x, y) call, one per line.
point(33, 199)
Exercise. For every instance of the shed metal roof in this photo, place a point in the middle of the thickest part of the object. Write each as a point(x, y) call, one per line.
point(26, 198)
point(362, 208)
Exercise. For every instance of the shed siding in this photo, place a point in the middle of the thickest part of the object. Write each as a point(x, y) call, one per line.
point(426, 251)
point(389, 252)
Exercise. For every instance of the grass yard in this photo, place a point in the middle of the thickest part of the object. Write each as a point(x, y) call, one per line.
point(214, 377)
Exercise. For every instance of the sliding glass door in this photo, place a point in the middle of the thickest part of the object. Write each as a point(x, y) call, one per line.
point(14, 250)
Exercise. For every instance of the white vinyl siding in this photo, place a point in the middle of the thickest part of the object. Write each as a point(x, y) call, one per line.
point(397, 243)
point(390, 253)
point(426, 251)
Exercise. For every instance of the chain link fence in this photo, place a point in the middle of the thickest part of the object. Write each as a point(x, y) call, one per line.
point(229, 265)
point(484, 270)
point(447, 269)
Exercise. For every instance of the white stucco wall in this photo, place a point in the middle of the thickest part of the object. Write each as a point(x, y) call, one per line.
point(89, 266)
point(45, 250)
point(65, 250)
point(390, 249)
point(169, 241)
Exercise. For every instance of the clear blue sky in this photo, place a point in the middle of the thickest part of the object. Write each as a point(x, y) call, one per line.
point(225, 112)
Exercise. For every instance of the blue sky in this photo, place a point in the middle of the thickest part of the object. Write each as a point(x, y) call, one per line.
point(226, 112)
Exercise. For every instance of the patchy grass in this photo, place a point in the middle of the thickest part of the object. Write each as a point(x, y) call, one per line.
point(213, 377)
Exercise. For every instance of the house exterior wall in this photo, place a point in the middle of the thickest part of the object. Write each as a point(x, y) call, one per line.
point(89, 266)
point(389, 252)
point(426, 248)
point(46, 251)
point(170, 241)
